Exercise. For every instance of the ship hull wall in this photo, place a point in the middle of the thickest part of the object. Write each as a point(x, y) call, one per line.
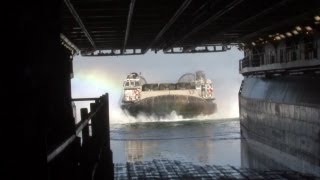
point(280, 122)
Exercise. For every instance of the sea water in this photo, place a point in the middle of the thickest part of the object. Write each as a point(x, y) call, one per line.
point(209, 141)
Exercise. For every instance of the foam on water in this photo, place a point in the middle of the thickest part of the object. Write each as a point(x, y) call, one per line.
point(118, 116)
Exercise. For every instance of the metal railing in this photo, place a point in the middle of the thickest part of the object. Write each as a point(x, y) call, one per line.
point(86, 154)
point(306, 51)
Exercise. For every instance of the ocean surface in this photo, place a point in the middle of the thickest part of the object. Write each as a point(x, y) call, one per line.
point(215, 141)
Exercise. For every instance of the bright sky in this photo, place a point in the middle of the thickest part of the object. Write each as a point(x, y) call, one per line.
point(94, 76)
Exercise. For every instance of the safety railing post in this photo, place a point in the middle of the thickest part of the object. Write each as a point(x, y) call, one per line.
point(86, 154)
point(106, 156)
point(85, 131)
point(85, 159)
point(94, 131)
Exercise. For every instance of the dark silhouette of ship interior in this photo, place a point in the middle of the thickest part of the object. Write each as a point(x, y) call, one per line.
point(40, 39)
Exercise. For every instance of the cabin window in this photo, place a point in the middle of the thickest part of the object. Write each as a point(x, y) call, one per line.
point(132, 83)
point(137, 83)
point(127, 83)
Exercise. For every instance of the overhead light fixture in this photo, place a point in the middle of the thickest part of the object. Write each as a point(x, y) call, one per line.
point(298, 28)
point(270, 36)
point(288, 34)
point(295, 32)
point(317, 18)
point(253, 43)
point(282, 36)
point(308, 28)
point(278, 38)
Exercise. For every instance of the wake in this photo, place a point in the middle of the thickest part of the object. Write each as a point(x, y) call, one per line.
point(118, 116)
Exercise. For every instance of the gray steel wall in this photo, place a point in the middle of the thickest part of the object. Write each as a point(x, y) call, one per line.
point(281, 116)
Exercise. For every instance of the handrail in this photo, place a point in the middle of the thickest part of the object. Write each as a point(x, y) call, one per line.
point(280, 55)
point(84, 99)
point(86, 121)
point(79, 128)
point(60, 148)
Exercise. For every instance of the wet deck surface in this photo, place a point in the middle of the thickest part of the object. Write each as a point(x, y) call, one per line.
point(168, 169)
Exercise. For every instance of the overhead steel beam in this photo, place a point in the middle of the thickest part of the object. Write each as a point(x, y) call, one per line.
point(244, 22)
point(278, 25)
point(173, 19)
point(78, 19)
point(207, 22)
point(113, 52)
point(203, 10)
point(91, 1)
point(251, 19)
point(222, 48)
point(128, 24)
point(69, 43)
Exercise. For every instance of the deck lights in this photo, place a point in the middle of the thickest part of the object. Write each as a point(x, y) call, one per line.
point(289, 34)
point(298, 28)
point(295, 32)
point(308, 28)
